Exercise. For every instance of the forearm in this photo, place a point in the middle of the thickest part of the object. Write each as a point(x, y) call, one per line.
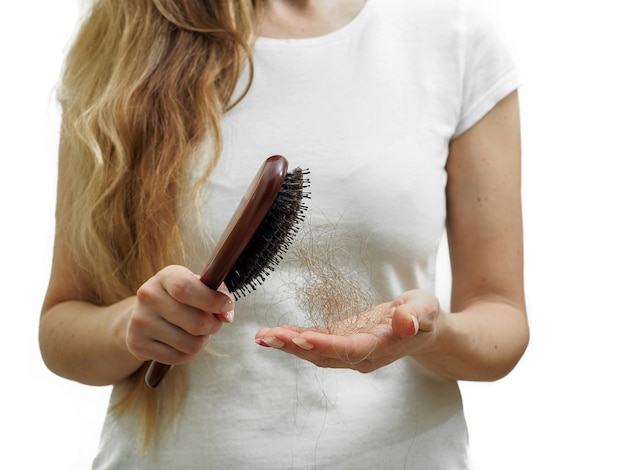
point(482, 342)
point(86, 343)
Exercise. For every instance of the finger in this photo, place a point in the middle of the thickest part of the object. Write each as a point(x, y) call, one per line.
point(167, 354)
point(164, 307)
point(359, 351)
point(229, 316)
point(288, 330)
point(276, 337)
point(179, 343)
point(185, 287)
point(403, 323)
point(191, 321)
point(182, 328)
point(322, 349)
point(421, 305)
point(155, 338)
point(349, 348)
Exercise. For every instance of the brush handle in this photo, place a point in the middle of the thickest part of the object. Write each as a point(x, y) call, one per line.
point(246, 220)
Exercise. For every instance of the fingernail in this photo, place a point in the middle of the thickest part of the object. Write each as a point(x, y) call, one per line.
point(271, 342)
point(303, 343)
point(229, 316)
point(416, 325)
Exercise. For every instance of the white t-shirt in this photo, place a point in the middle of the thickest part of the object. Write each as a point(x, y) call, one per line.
point(370, 109)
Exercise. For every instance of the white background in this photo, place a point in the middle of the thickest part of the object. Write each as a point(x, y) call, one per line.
point(563, 407)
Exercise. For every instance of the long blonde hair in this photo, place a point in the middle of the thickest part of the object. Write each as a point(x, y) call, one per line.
point(145, 82)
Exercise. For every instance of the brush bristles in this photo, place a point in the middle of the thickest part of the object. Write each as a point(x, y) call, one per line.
point(273, 237)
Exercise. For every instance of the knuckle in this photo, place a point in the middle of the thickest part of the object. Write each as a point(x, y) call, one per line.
point(134, 336)
point(170, 354)
point(146, 293)
point(202, 324)
point(174, 358)
point(139, 323)
point(193, 346)
point(196, 330)
point(180, 287)
point(137, 346)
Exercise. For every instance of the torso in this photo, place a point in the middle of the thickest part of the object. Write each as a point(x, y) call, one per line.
point(384, 96)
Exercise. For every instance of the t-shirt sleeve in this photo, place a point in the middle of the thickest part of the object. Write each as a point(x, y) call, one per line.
point(490, 69)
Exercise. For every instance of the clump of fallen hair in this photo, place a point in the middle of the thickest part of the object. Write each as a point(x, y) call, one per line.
point(331, 288)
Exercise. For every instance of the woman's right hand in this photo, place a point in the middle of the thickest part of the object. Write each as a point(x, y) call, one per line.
point(174, 315)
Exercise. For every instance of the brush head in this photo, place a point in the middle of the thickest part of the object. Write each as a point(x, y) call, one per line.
point(273, 236)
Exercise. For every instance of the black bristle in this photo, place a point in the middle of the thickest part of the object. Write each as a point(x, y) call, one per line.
point(273, 237)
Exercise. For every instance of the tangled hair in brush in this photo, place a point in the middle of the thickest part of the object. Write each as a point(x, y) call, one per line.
point(144, 83)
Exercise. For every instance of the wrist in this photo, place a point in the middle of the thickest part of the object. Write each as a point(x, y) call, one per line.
point(435, 349)
point(120, 335)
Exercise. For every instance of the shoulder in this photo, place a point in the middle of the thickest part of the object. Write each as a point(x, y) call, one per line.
point(439, 26)
point(434, 15)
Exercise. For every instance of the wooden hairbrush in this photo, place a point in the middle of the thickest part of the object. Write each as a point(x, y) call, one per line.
point(256, 237)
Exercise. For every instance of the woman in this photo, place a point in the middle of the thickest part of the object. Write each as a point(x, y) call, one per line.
point(406, 114)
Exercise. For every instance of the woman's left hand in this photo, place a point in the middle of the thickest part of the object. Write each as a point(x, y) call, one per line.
point(383, 334)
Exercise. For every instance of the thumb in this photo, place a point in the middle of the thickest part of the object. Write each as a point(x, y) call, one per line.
point(403, 323)
point(414, 311)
